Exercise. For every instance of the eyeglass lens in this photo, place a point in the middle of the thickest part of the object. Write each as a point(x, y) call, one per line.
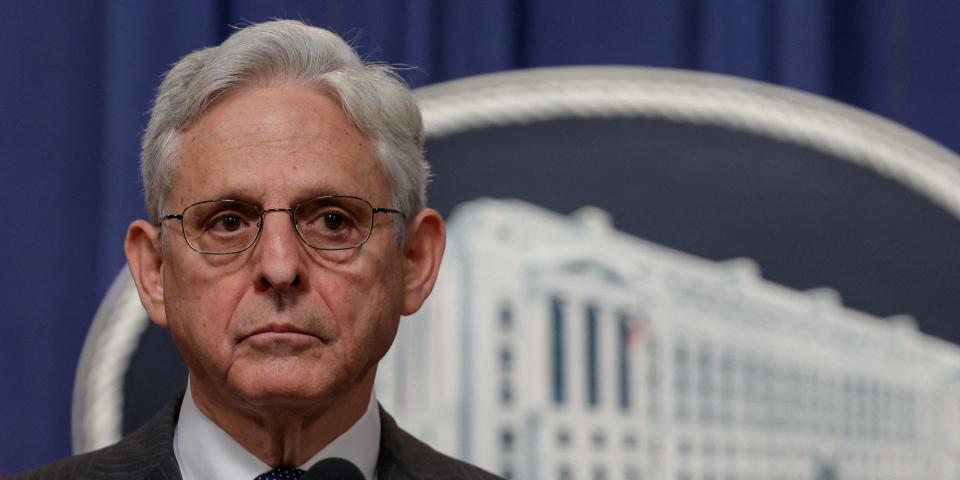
point(228, 226)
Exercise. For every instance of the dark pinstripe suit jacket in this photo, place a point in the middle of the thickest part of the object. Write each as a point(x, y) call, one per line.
point(148, 454)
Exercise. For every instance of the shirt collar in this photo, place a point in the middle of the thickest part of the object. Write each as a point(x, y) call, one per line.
point(205, 452)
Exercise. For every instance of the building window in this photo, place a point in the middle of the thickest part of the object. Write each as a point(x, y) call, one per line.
point(506, 359)
point(684, 447)
point(506, 367)
point(593, 357)
point(623, 360)
point(598, 439)
point(705, 382)
point(506, 440)
point(727, 377)
point(681, 363)
point(653, 377)
point(750, 393)
point(506, 393)
point(708, 448)
point(506, 317)
point(558, 350)
point(599, 473)
point(681, 381)
point(564, 473)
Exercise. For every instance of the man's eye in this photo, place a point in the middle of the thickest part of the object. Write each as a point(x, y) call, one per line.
point(333, 221)
point(227, 223)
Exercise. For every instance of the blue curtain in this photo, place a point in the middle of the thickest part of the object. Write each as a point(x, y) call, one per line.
point(78, 76)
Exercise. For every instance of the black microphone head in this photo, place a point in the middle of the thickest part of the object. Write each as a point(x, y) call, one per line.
point(333, 468)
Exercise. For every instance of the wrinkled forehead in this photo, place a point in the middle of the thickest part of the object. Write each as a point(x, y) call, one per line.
point(273, 144)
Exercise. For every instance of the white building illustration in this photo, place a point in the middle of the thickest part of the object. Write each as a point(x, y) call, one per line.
point(556, 347)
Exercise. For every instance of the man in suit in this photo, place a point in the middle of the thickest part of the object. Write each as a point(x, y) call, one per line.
point(285, 183)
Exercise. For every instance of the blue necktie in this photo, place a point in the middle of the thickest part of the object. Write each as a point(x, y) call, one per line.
point(281, 474)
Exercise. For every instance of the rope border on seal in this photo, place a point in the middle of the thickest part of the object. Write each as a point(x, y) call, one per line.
point(526, 96)
point(97, 411)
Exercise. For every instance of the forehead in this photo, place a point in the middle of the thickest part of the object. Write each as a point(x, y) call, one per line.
point(274, 144)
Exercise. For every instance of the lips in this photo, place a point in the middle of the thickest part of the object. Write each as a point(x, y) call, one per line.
point(280, 328)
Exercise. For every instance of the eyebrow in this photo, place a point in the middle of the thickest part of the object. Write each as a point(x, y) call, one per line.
point(246, 197)
point(235, 195)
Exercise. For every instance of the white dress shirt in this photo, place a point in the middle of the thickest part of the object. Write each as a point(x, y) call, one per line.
point(205, 452)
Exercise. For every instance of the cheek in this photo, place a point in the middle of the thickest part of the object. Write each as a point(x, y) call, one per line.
point(200, 304)
point(202, 283)
point(366, 304)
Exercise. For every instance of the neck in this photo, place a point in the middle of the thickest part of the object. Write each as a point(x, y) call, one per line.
point(281, 434)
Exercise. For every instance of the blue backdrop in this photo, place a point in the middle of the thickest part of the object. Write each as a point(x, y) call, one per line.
point(77, 80)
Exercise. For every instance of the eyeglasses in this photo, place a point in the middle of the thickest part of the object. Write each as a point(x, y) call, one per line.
point(333, 222)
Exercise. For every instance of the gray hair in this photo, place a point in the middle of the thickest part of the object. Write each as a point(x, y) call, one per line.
point(375, 100)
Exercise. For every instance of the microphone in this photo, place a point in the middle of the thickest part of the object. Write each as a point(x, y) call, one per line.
point(333, 468)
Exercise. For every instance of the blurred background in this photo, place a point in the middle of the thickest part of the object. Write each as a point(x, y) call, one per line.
point(78, 78)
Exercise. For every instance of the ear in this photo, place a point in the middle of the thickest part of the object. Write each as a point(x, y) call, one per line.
point(426, 239)
point(145, 261)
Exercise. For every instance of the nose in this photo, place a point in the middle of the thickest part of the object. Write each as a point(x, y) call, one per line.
point(279, 262)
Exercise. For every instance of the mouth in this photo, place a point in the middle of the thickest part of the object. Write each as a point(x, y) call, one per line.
point(279, 331)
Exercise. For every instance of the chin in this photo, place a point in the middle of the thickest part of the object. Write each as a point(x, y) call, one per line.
point(284, 394)
point(285, 386)
point(295, 382)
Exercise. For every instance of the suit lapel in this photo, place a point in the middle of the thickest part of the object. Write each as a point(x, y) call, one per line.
point(167, 469)
point(149, 450)
point(403, 457)
point(390, 472)
point(387, 468)
point(391, 448)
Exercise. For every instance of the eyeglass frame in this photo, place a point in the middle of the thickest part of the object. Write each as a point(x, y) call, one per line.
point(293, 218)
